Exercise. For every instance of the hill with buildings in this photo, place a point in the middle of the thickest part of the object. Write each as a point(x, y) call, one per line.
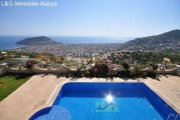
point(169, 41)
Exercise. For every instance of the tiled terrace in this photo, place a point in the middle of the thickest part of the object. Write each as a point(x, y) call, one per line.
point(40, 91)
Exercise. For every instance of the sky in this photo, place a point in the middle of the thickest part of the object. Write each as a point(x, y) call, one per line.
point(106, 18)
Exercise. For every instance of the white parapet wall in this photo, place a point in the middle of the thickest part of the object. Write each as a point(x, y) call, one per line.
point(38, 70)
point(174, 71)
point(166, 72)
point(17, 70)
point(170, 66)
point(64, 70)
point(3, 70)
point(177, 72)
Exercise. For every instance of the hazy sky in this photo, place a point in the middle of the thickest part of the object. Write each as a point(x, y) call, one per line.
point(111, 18)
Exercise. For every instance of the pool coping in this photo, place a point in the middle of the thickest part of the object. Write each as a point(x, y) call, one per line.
point(49, 102)
point(163, 97)
point(51, 99)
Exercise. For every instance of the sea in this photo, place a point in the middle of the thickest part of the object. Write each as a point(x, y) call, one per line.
point(9, 42)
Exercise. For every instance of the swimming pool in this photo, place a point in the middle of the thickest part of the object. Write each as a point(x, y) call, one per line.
point(106, 101)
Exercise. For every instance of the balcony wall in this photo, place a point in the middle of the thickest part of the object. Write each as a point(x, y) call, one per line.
point(64, 70)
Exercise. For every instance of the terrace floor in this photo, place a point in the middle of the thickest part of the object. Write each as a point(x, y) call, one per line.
point(40, 91)
point(167, 88)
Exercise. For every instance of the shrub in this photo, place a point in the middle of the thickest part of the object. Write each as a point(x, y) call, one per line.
point(123, 73)
point(86, 73)
point(29, 64)
point(78, 73)
point(135, 72)
point(152, 74)
point(125, 65)
point(155, 66)
point(99, 70)
point(103, 70)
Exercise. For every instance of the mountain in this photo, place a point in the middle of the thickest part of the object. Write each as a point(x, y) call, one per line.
point(42, 40)
point(169, 41)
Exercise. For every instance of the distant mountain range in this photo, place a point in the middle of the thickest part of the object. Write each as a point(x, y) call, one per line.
point(42, 40)
point(166, 41)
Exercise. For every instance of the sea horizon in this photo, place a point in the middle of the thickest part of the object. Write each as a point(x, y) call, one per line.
point(9, 42)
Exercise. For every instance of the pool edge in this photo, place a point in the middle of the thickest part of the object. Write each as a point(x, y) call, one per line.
point(53, 99)
point(163, 97)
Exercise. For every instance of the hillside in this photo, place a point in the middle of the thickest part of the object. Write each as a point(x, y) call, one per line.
point(169, 41)
point(42, 40)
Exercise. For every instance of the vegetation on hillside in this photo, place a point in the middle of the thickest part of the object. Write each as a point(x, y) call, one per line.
point(169, 41)
point(132, 62)
point(41, 40)
point(151, 57)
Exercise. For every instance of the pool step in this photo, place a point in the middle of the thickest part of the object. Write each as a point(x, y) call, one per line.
point(56, 113)
point(173, 117)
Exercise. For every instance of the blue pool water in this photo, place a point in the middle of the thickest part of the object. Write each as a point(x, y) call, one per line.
point(90, 101)
point(129, 108)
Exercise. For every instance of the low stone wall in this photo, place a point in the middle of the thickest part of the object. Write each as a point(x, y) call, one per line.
point(38, 70)
point(16, 70)
point(173, 71)
point(3, 70)
point(166, 72)
point(59, 70)
point(170, 66)
point(64, 70)
point(177, 71)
